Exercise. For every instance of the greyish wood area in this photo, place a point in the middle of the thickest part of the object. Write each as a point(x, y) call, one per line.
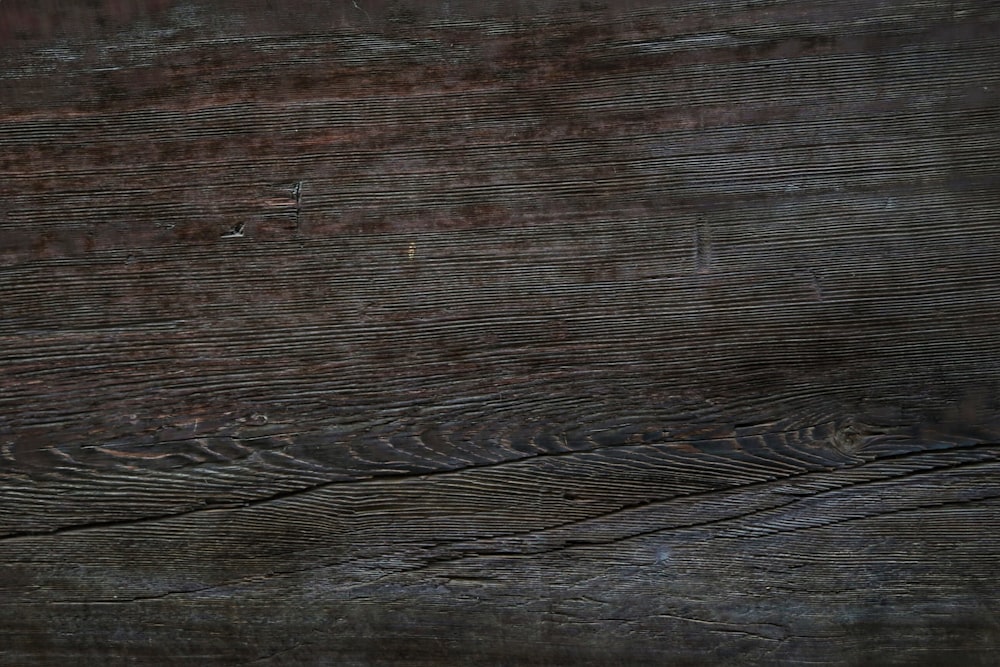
point(488, 333)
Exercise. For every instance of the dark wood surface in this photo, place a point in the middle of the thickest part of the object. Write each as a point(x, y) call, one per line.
point(482, 333)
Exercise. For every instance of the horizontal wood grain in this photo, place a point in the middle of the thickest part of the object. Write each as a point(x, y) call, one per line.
point(412, 333)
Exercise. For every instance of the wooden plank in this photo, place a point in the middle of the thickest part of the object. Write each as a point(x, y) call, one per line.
point(541, 333)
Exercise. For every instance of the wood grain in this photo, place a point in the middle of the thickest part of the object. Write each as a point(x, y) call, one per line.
point(534, 333)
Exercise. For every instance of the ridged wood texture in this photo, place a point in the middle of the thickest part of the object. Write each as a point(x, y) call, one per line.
point(627, 333)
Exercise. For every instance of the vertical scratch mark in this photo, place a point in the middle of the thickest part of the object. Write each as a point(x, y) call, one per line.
point(817, 285)
point(702, 249)
point(362, 10)
point(412, 252)
point(297, 193)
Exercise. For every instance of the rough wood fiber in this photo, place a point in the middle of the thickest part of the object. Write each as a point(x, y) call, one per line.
point(412, 333)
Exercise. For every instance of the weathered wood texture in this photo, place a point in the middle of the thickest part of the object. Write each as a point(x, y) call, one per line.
point(480, 333)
